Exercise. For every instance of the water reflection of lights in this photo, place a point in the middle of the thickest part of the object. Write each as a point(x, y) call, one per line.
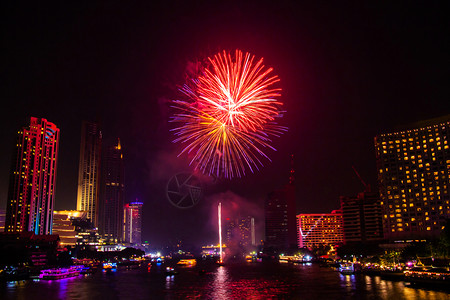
point(220, 284)
point(170, 281)
point(11, 284)
point(348, 282)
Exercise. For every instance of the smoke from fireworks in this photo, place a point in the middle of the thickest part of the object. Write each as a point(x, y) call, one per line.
point(229, 115)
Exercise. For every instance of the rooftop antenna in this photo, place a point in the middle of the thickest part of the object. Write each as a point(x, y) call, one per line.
point(292, 172)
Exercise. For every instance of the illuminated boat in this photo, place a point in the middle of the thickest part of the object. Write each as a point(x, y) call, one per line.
point(171, 271)
point(109, 266)
point(347, 269)
point(428, 276)
point(55, 274)
point(187, 262)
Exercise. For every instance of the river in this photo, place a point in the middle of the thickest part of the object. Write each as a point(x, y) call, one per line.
point(208, 281)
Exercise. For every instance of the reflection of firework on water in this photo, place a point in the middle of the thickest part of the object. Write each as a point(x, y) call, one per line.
point(229, 115)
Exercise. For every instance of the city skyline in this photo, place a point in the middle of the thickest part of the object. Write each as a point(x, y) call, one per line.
point(348, 73)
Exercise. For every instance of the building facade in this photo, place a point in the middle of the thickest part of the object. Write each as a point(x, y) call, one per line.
point(64, 228)
point(112, 194)
point(240, 231)
point(362, 218)
point(246, 227)
point(317, 230)
point(31, 193)
point(2, 219)
point(133, 223)
point(414, 178)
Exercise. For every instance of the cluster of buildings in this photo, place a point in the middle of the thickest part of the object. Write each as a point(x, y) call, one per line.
point(101, 217)
point(411, 203)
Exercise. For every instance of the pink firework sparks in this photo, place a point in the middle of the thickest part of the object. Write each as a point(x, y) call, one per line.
point(229, 115)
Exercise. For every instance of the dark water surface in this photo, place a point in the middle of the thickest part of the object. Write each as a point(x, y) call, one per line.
point(235, 281)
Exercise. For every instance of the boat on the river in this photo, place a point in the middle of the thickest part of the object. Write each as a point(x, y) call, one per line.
point(60, 273)
point(428, 276)
point(108, 266)
point(347, 268)
point(187, 262)
point(171, 271)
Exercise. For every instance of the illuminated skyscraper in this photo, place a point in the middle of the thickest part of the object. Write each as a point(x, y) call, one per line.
point(280, 212)
point(31, 193)
point(320, 229)
point(414, 178)
point(112, 194)
point(133, 223)
point(89, 170)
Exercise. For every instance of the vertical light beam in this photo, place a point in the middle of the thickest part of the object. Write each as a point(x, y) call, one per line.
point(220, 231)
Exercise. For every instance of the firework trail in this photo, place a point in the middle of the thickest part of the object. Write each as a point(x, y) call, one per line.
point(229, 115)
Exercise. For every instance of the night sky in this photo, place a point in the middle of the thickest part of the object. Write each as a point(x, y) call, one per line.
point(348, 73)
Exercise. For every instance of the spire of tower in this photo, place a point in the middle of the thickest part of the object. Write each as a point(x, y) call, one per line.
point(292, 172)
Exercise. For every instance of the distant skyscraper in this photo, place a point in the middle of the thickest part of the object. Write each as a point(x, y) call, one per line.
point(133, 223)
point(320, 229)
point(280, 212)
point(229, 230)
point(362, 218)
point(89, 170)
point(247, 231)
point(239, 231)
point(413, 177)
point(111, 215)
point(31, 194)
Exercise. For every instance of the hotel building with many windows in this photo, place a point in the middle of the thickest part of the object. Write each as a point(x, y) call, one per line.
point(414, 177)
point(320, 229)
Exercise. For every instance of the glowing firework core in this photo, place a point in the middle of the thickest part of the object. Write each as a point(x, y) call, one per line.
point(229, 115)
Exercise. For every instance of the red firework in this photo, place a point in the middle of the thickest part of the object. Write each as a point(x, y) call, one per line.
point(229, 114)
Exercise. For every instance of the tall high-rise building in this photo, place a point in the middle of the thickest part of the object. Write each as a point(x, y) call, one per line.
point(229, 230)
point(362, 218)
point(133, 223)
point(246, 227)
point(89, 170)
point(414, 179)
point(320, 229)
point(112, 194)
point(31, 193)
point(280, 212)
point(239, 231)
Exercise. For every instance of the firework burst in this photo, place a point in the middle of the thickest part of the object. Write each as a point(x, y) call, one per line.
point(228, 117)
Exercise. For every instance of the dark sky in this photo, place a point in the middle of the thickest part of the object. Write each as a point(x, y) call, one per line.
point(348, 72)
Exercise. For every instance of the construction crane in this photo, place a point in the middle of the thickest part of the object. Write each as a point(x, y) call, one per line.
point(366, 186)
